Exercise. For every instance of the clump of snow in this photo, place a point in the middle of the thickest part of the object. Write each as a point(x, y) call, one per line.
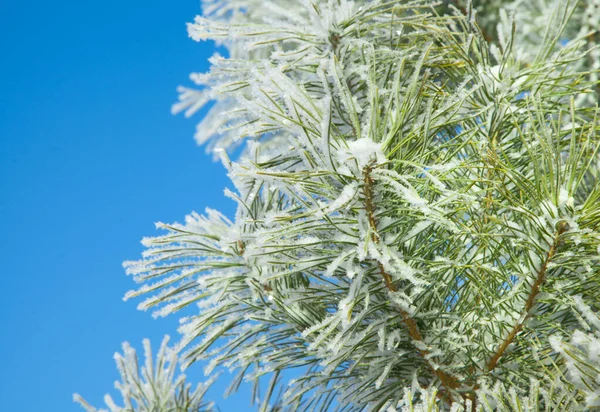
point(364, 151)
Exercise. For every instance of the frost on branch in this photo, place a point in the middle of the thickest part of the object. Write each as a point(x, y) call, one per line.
point(547, 395)
point(154, 387)
point(582, 354)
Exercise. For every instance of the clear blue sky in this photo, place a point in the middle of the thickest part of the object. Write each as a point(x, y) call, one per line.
point(90, 158)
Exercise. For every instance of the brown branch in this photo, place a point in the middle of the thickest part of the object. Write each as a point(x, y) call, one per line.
point(241, 248)
point(561, 228)
point(413, 330)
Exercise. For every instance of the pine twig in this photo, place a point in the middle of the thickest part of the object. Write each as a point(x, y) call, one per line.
point(413, 330)
point(535, 289)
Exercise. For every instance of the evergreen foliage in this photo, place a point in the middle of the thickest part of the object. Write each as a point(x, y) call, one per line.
point(418, 205)
point(154, 388)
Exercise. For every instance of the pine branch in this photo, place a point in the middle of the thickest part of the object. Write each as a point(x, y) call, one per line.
point(562, 227)
point(413, 330)
point(153, 387)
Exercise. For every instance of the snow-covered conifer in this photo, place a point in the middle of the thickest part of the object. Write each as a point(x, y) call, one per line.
point(418, 205)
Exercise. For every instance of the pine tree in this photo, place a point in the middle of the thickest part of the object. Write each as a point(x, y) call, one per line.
point(418, 208)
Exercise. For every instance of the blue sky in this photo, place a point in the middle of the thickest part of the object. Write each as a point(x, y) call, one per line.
point(90, 158)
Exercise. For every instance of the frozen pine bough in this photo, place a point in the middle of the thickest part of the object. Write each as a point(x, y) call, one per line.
point(418, 206)
point(154, 387)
